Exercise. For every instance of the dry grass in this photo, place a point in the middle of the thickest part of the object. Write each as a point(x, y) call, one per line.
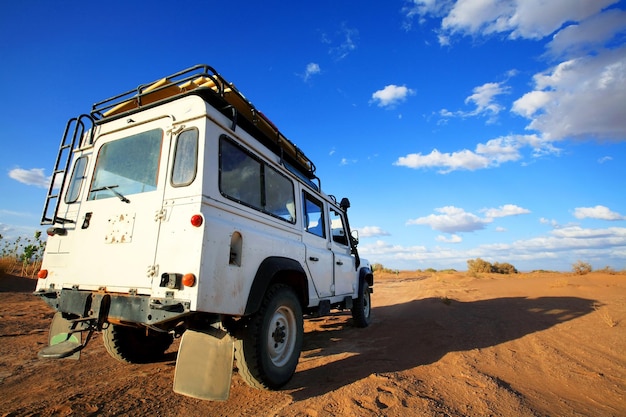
point(605, 315)
point(10, 265)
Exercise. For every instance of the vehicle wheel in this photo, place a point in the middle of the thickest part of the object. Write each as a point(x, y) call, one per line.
point(361, 307)
point(268, 347)
point(134, 344)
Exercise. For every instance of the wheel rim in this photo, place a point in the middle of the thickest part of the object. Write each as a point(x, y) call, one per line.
point(366, 301)
point(281, 336)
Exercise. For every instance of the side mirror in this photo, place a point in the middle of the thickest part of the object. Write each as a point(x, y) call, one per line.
point(355, 237)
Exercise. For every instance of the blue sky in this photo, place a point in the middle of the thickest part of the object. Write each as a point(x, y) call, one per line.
point(458, 129)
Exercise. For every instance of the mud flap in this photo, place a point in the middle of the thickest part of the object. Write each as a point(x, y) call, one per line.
point(61, 342)
point(204, 365)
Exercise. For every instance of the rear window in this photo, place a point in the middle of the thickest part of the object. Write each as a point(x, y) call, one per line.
point(129, 165)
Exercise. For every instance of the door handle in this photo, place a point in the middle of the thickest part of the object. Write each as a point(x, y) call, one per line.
point(339, 263)
point(313, 258)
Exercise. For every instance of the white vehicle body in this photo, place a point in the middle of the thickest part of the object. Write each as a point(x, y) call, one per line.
point(179, 214)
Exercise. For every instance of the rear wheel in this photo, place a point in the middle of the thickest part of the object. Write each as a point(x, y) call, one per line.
point(361, 307)
point(135, 344)
point(268, 348)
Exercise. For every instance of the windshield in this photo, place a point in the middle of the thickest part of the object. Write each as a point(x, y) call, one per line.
point(129, 165)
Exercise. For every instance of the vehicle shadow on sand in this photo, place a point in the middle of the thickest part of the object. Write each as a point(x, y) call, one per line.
point(420, 332)
point(14, 283)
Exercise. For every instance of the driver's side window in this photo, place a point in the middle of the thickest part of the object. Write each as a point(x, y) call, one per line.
point(337, 228)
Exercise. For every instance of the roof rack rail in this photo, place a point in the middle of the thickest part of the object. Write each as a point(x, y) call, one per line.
point(197, 79)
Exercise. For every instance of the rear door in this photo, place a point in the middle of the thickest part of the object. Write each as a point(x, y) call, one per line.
point(118, 227)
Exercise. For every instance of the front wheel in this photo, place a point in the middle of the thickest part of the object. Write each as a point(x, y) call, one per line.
point(268, 348)
point(361, 307)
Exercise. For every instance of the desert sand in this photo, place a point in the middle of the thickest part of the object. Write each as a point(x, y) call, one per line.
point(440, 344)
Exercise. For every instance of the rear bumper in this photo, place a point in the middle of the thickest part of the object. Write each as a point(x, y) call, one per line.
point(112, 307)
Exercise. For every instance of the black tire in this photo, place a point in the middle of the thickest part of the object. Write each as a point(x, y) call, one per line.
point(268, 346)
point(361, 306)
point(134, 344)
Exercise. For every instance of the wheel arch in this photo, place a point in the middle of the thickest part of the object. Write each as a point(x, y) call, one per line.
point(277, 270)
point(366, 274)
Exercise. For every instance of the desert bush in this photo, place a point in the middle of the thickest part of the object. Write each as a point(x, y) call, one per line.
point(504, 268)
point(581, 268)
point(377, 267)
point(607, 270)
point(478, 265)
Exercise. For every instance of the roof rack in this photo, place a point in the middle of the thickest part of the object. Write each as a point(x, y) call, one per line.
point(203, 79)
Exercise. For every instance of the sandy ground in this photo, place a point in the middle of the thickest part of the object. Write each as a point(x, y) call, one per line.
point(440, 344)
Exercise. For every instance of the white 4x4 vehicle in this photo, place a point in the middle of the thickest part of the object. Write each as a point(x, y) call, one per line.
point(184, 211)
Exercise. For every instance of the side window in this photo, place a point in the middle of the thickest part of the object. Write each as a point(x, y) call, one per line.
point(76, 182)
point(240, 175)
point(279, 195)
point(185, 164)
point(337, 229)
point(249, 181)
point(314, 216)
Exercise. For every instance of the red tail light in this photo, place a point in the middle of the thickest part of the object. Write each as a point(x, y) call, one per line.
point(196, 220)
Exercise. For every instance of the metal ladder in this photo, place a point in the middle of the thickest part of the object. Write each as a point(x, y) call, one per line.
point(74, 130)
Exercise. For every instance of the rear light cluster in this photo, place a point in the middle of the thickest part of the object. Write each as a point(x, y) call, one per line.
point(175, 281)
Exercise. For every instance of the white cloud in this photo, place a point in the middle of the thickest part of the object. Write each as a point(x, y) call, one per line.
point(464, 159)
point(449, 239)
point(484, 99)
point(311, 69)
point(451, 220)
point(552, 223)
point(10, 232)
point(557, 250)
point(484, 95)
point(589, 34)
point(33, 176)
point(391, 95)
point(531, 102)
point(504, 211)
point(579, 98)
point(528, 19)
point(372, 231)
point(456, 220)
point(582, 96)
point(605, 159)
point(486, 155)
point(597, 212)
